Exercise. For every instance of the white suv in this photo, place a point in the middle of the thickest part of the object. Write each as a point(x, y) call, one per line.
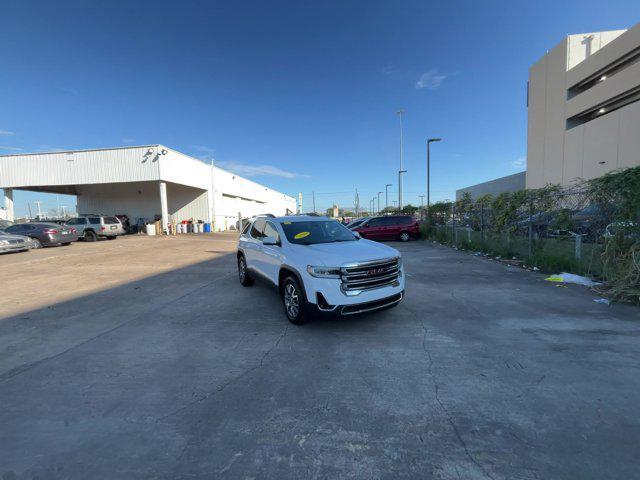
point(320, 266)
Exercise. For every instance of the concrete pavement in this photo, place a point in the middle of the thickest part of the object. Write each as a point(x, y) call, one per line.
point(484, 371)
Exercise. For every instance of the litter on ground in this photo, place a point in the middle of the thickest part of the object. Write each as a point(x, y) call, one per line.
point(605, 301)
point(571, 278)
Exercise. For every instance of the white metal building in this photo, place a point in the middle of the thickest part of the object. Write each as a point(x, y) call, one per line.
point(141, 182)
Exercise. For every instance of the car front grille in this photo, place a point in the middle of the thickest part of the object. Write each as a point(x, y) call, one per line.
point(15, 242)
point(358, 277)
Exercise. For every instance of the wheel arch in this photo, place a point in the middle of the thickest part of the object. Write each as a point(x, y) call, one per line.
point(285, 271)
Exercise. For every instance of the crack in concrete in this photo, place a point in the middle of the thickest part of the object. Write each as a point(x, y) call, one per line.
point(444, 409)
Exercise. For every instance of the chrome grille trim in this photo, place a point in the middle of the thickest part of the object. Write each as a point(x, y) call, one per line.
point(357, 277)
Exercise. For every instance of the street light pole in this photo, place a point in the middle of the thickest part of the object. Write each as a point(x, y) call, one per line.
point(429, 141)
point(400, 113)
point(379, 193)
point(386, 195)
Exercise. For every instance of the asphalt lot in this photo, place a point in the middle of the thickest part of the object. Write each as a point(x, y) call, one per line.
point(144, 358)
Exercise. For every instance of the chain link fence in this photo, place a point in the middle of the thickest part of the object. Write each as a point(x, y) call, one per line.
point(552, 229)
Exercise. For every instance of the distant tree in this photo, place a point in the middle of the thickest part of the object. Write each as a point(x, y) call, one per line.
point(409, 209)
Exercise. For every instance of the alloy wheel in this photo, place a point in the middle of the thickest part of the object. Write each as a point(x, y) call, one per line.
point(291, 300)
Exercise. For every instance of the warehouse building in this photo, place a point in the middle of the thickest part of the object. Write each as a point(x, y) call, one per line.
point(143, 183)
point(508, 184)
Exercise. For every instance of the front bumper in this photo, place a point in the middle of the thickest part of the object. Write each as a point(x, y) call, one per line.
point(14, 247)
point(356, 308)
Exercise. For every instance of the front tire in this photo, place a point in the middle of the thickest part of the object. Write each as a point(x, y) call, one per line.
point(90, 236)
point(294, 301)
point(36, 243)
point(405, 237)
point(246, 280)
point(112, 237)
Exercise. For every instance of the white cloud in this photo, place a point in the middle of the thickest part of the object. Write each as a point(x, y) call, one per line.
point(247, 170)
point(519, 163)
point(6, 132)
point(430, 80)
point(10, 149)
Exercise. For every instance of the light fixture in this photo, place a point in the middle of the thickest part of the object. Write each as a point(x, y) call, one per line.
point(603, 78)
point(163, 152)
point(602, 110)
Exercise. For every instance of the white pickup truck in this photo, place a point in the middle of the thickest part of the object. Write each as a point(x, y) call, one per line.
point(320, 266)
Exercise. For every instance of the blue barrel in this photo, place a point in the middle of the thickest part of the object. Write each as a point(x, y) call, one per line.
point(207, 228)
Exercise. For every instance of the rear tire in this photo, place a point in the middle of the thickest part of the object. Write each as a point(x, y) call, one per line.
point(36, 243)
point(294, 301)
point(405, 237)
point(112, 238)
point(246, 280)
point(90, 236)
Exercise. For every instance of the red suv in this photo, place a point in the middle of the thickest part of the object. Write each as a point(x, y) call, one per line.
point(397, 227)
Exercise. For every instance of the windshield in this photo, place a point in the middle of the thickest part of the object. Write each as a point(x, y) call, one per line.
point(310, 233)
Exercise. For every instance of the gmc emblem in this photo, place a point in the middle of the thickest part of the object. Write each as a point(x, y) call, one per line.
point(377, 271)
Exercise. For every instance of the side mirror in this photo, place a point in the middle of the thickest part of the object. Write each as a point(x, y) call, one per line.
point(357, 234)
point(269, 241)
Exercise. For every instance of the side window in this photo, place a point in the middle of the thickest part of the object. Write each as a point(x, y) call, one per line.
point(270, 231)
point(406, 220)
point(94, 220)
point(257, 228)
point(246, 228)
point(389, 221)
point(376, 222)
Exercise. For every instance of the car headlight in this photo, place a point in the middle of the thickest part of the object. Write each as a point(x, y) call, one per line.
point(4, 242)
point(323, 272)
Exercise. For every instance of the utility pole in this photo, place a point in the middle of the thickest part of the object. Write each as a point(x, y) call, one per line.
point(394, 204)
point(400, 113)
point(379, 193)
point(386, 195)
point(37, 202)
point(421, 206)
point(299, 202)
point(357, 203)
point(314, 201)
point(429, 142)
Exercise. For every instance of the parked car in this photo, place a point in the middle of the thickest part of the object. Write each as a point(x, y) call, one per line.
point(92, 227)
point(320, 266)
point(13, 243)
point(5, 224)
point(44, 234)
point(357, 222)
point(394, 227)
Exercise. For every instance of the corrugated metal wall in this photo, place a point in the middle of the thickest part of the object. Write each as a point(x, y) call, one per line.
point(78, 168)
point(125, 181)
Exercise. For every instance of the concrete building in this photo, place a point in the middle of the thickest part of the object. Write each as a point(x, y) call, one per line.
point(584, 114)
point(510, 183)
point(141, 182)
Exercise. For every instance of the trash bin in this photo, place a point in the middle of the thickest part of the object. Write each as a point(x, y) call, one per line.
point(151, 229)
point(207, 228)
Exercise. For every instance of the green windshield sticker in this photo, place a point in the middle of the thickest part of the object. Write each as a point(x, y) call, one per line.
point(301, 235)
point(286, 223)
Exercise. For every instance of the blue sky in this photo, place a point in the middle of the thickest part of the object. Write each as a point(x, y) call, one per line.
point(300, 96)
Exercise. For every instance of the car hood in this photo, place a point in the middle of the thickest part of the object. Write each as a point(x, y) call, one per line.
point(339, 253)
